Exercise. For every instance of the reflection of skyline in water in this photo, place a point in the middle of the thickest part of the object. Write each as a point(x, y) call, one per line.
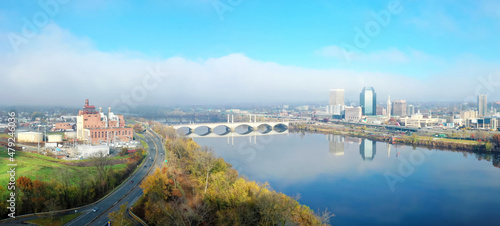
point(368, 149)
point(335, 144)
point(356, 191)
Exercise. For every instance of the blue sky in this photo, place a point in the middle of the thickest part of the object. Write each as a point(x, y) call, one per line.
point(423, 41)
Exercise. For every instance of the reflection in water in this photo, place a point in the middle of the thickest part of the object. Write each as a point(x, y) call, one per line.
point(335, 144)
point(367, 149)
point(447, 188)
point(352, 140)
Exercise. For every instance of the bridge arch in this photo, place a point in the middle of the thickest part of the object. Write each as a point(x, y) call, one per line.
point(264, 128)
point(243, 129)
point(280, 127)
point(221, 130)
point(202, 130)
point(184, 130)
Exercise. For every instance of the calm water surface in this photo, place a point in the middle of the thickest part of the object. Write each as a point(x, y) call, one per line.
point(364, 182)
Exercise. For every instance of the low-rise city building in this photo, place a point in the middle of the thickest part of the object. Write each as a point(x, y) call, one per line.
point(353, 114)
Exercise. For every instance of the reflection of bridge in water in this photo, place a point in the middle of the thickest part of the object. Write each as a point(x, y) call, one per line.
point(255, 128)
point(231, 135)
point(235, 134)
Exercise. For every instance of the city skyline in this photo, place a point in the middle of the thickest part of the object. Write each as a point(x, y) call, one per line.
point(219, 112)
point(235, 58)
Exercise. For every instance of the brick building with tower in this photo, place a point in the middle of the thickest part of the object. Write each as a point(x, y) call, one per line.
point(97, 127)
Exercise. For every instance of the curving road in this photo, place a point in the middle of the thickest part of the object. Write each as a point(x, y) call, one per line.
point(128, 192)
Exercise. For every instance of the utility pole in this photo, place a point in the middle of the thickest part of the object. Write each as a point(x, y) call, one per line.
point(38, 138)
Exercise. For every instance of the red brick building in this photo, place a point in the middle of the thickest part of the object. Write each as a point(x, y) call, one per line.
point(97, 127)
point(63, 126)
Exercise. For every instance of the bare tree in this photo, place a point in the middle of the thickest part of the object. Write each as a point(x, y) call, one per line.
point(325, 216)
point(101, 161)
point(207, 161)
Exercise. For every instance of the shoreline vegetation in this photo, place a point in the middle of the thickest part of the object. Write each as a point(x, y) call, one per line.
point(196, 187)
point(479, 149)
point(478, 145)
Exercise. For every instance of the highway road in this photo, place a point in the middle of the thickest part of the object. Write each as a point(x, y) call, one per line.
point(128, 192)
point(130, 198)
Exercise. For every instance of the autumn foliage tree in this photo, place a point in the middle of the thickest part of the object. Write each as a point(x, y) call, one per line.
point(25, 185)
point(198, 188)
point(138, 128)
point(496, 139)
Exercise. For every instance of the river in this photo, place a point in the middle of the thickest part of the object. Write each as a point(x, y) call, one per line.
point(370, 183)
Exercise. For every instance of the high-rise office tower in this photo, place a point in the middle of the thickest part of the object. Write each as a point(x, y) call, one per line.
point(399, 108)
point(389, 107)
point(368, 101)
point(482, 105)
point(411, 110)
point(337, 101)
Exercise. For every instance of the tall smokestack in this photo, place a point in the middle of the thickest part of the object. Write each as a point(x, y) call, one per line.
point(86, 102)
point(109, 109)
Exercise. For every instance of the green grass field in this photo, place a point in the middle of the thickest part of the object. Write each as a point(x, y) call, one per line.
point(4, 135)
point(446, 140)
point(144, 144)
point(56, 221)
point(140, 135)
point(36, 166)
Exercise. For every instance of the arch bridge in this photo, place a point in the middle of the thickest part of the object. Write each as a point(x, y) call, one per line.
point(230, 127)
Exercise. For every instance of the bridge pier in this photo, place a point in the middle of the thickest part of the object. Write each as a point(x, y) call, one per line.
point(231, 127)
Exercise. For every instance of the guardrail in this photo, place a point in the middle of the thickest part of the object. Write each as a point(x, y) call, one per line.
point(137, 184)
point(136, 217)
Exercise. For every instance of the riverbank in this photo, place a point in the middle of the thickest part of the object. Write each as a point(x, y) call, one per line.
point(196, 187)
point(412, 140)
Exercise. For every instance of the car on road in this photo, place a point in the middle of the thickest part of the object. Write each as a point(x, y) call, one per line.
point(95, 209)
point(132, 181)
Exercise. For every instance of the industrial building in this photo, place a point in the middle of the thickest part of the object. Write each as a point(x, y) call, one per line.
point(30, 137)
point(63, 126)
point(54, 138)
point(85, 151)
point(97, 127)
point(70, 135)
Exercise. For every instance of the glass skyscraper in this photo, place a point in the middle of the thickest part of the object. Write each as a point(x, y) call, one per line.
point(482, 104)
point(368, 101)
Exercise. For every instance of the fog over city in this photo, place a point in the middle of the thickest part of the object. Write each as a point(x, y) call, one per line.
point(250, 112)
point(214, 52)
point(60, 67)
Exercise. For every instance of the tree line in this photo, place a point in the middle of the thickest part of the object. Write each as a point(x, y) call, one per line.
point(64, 192)
point(198, 188)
